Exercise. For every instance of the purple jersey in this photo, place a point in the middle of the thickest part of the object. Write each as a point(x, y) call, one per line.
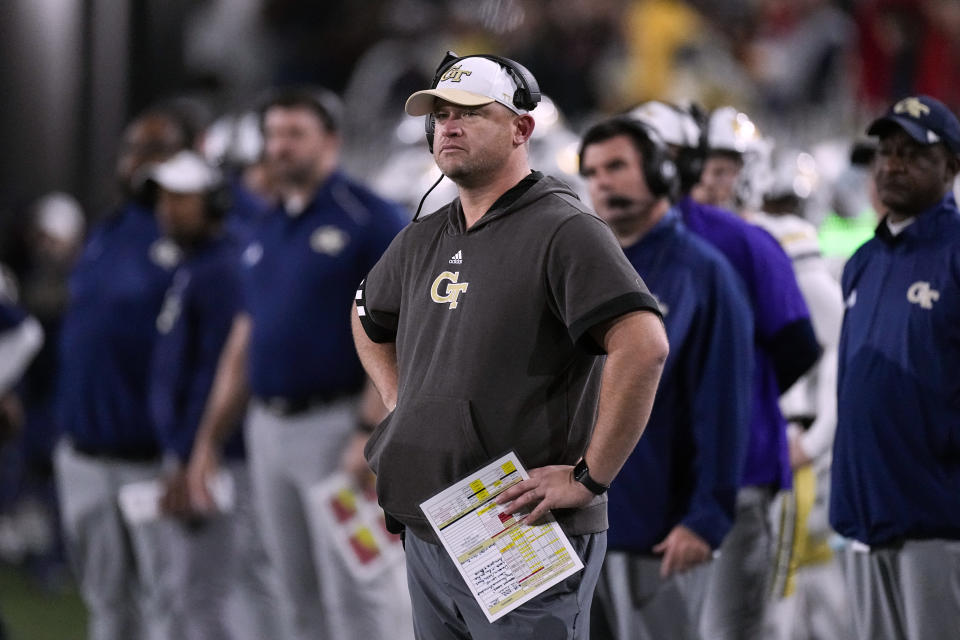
point(777, 306)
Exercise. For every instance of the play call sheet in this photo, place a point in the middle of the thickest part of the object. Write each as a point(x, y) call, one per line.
point(503, 562)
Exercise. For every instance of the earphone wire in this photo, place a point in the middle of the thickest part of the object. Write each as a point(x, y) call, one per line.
point(424, 198)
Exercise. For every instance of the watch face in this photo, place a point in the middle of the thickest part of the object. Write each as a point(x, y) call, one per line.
point(582, 475)
point(580, 471)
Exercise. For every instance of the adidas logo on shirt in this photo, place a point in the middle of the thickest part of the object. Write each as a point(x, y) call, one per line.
point(457, 258)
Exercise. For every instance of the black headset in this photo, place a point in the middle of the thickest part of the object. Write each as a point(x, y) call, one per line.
point(691, 160)
point(525, 97)
point(659, 169)
point(219, 200)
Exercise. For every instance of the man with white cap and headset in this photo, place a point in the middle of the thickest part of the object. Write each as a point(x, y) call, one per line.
point(482, 327)
point(196, 565)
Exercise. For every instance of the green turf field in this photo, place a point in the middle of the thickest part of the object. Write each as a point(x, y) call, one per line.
point(33, 615)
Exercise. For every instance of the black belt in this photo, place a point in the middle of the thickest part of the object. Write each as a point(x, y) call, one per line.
point(146, 454)
point(287, 406)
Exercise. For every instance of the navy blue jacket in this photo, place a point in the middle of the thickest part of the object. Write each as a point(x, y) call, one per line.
point(686, 468)
point(301, 273)
point(106, 342)
point(247, 209)
point(10, 315)
point(785, 345)
point(896, 456)
point(192, 327)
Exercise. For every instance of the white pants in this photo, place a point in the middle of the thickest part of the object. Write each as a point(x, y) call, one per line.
point(322, 600)
point(817, 609)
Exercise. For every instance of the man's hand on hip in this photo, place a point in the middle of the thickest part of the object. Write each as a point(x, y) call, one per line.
point(548, 488)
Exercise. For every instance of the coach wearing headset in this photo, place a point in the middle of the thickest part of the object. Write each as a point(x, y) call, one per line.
point(181, 559)
point(194, 566)
point(483, 328)
point(674, 500)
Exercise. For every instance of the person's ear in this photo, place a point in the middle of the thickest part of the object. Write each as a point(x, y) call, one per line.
point(523, 128)
point(953, 164)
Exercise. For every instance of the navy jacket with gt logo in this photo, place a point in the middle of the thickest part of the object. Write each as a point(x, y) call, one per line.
point(896, 464)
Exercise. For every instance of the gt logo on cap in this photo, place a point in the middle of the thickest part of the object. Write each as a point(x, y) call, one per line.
point(454, 74)
point(912, 106)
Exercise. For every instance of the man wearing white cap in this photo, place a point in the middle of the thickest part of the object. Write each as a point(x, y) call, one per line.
point(193, 563)
point(482, 327)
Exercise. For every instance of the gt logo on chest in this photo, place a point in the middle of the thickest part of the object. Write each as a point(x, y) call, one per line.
point(453, 288)
point(922, 294)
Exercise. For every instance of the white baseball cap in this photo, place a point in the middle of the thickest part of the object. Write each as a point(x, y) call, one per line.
point(469, 82)
point(732, 130)
point(674, 124)
point(185, 172)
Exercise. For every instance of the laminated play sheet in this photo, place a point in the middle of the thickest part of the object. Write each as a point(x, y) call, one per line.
point(503, 562)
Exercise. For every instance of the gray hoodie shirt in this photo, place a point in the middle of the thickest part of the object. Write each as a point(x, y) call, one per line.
point(491, 326)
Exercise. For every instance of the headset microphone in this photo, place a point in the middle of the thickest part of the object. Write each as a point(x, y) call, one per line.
point(619, 202)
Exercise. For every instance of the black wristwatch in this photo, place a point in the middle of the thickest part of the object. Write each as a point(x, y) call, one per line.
point(582, 475)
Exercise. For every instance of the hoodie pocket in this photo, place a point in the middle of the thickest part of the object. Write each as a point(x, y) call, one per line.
point(425, 445)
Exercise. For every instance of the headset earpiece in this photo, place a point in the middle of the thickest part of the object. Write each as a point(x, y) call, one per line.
point(661, 174)
point(429, 125)
point(659, 169)
point(527, 95)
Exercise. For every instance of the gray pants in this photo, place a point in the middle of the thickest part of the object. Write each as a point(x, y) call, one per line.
point(444, 608)
point(252, 607)
point(640, 605)
point(909, 593)
point(98, 542)
point(321, 599)
point(186, 571)
point(737, 593)
point(207, 580)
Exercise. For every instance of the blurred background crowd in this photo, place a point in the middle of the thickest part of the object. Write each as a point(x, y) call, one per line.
point(810, 74)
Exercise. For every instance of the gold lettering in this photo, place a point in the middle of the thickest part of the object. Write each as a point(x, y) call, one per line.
point(454, 289)
point(455, 74)
point(912, 106)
